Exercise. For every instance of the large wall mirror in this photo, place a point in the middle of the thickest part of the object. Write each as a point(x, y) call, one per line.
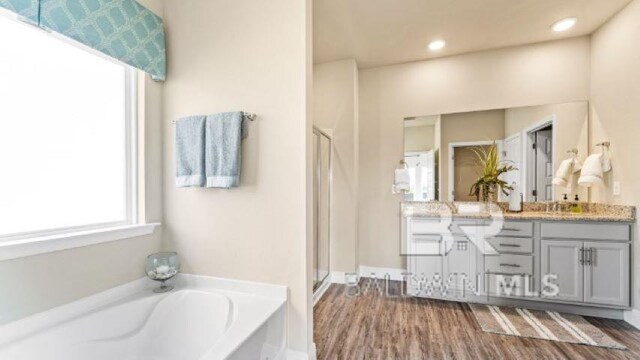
point(439, 150)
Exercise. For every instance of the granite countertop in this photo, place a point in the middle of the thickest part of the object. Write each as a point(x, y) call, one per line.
point(532, 211)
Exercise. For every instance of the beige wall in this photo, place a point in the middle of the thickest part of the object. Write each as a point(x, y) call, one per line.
point(37, 283)
point(466, 127)
point(545, 73)
point(41, 282)
point(615, 115)
point(335, 108)
point(249, 55)
point(571, 132)
point(419, 138)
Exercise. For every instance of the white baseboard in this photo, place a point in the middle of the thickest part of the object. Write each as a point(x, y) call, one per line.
point(320, 292)
point(633, 317)
point(380, 272)
point(301, 355)
point(341, 277)
point(313, 353)
point(338, 277)
point(296, 355)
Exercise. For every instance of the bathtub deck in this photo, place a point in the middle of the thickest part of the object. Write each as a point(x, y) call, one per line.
point(376, 327)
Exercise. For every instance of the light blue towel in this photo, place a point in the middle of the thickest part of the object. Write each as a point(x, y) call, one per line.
point(190, 151)
point(223, 149)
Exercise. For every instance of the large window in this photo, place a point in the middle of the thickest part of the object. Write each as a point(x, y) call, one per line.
point(66, 135)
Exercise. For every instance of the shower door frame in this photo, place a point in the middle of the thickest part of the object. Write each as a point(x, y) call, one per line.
point(316, 228)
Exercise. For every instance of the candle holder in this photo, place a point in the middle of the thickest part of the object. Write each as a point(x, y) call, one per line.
point(161, 267)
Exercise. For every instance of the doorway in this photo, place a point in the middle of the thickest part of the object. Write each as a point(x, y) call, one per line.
point(464, 168)
point(321, 207)
point(539, 168)
point(422, 179)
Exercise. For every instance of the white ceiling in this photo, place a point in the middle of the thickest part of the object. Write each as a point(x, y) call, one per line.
point(383, 32)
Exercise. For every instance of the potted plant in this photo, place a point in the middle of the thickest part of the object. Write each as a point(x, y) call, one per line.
point(488, 183)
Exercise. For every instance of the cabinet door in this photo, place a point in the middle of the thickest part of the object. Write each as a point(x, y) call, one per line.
point(562, 258)
point(606, 273)
point(459, 266)
point(424, 270)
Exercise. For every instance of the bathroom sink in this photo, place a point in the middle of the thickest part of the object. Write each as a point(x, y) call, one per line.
point(472, 207)
point(469, 208)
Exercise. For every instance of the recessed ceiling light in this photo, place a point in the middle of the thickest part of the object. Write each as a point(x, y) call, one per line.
point(436, 45)
point(564, 24)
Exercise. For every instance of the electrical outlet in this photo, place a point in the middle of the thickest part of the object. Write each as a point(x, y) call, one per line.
point(616, 188)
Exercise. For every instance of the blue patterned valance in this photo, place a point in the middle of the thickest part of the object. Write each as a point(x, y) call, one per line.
point(25, 8)
point(122, 29)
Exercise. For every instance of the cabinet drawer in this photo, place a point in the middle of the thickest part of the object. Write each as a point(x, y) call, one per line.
point(597, 231)
point(509, 264)
point(426, 226)
point(457, 230)
point(437, 226)
point(513, 245)
point(423, 245)
point(426, 238)
point(509, 285)
point(517, 228)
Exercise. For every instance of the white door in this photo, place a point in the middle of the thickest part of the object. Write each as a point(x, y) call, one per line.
point(544, 165)
point(606, 273)
point(512, 154)
point(421, 167)
point(429, 176)
point(563, 259)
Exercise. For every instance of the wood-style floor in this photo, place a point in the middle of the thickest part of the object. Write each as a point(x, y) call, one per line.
point(378, 327)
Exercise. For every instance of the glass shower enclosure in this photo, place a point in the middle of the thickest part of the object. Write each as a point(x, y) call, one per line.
point(321, 206)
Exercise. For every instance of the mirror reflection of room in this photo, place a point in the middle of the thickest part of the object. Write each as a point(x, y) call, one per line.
point(442, 152)
point(420, 157)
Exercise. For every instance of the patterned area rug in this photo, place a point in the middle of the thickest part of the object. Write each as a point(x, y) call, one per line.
point(547, 325)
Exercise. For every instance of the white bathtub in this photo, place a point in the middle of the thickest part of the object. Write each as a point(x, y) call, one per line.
point(202, 319)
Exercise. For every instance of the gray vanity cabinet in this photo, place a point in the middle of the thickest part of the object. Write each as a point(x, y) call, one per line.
point(592, 272)
point(563, 258)
point(606, 278)
point(590, 259)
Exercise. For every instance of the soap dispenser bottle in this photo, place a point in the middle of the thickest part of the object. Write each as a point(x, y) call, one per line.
point(576, 207)
point(515, 198)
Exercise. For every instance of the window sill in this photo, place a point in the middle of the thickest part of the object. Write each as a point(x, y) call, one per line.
point(46, 244)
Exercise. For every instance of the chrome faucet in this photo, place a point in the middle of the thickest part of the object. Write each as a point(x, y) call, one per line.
point(552, 206)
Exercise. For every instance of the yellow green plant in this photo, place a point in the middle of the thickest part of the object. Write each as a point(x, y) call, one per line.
point(489, 175)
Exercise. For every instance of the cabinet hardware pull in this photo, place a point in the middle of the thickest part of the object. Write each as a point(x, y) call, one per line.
point(510, 229)
point(417, 239)
point(581, 257)
point(510, 265)
point(589, 256)
point(510, 245)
